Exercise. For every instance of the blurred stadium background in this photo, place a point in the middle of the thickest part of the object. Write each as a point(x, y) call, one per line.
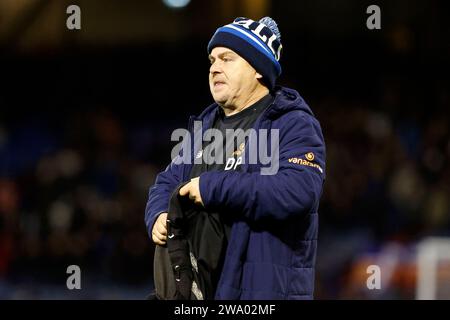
point(86, 118)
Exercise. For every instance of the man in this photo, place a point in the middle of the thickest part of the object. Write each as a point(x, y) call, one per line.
point(271, 220)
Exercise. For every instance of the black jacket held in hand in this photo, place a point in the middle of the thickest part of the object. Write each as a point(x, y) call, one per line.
point(189, 266)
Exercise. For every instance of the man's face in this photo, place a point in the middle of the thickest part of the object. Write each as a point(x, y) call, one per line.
point(231, 78)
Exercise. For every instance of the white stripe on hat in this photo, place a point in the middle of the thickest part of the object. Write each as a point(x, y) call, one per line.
point(250, 36)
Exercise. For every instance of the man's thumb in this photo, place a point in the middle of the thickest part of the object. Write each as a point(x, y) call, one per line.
point(184, 190)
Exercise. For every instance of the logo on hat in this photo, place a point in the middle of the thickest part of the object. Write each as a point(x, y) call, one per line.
point(264, 33)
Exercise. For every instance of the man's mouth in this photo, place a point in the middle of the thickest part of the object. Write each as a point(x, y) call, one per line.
point(218, 83)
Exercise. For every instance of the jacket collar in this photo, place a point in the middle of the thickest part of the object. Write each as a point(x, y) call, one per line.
point(286, 100)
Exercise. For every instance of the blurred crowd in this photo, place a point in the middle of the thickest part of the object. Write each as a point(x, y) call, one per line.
point(387, 188)
point(386, 170)
point(74, 195)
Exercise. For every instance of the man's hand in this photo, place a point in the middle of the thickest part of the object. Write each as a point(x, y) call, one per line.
point(192, 189)
point(159, 231)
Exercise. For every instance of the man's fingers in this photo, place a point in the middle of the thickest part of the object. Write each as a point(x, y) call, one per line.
point(184, 190)
point(161, 228)
point(160, 235)
point(191, 189)
point(158, 238)
point(161, 223)
point(163, 218)
point(159, 231)
point(157, 241)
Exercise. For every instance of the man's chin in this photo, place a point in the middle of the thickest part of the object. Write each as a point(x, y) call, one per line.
point(219, 99)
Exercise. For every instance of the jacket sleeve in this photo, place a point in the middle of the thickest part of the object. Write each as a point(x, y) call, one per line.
point(294, 189)
point(160, 192)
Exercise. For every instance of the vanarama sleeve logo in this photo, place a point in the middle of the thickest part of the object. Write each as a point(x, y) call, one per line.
point(309, 157)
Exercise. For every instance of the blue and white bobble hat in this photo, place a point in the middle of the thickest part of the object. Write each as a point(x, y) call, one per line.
point(258, 42)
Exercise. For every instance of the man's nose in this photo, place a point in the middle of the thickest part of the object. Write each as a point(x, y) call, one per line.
point(215, 68)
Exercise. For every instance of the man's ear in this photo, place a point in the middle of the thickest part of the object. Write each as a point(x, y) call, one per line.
point(258, 76)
